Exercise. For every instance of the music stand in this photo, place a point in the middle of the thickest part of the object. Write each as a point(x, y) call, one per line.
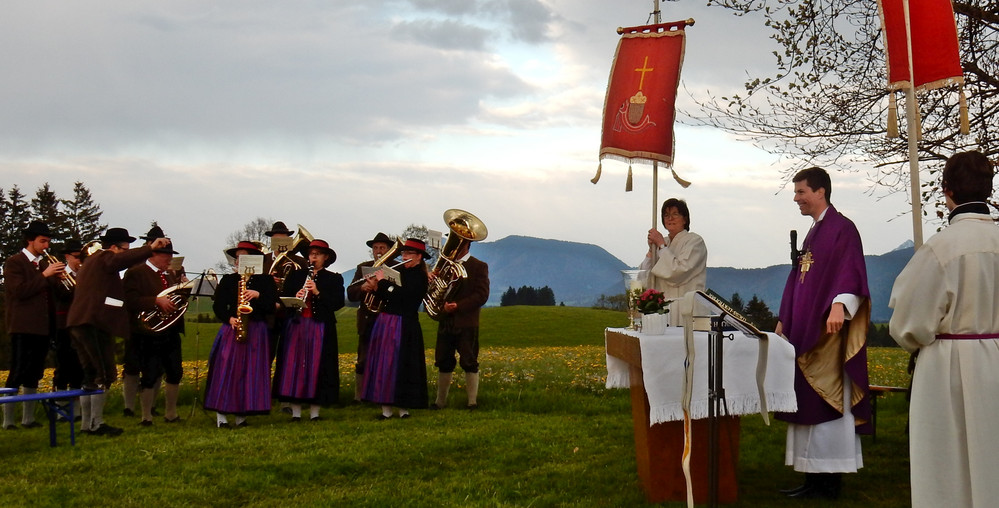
point(204, 286)
point(723, 318)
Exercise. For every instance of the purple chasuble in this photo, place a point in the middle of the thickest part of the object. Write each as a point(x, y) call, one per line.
point(837, 267)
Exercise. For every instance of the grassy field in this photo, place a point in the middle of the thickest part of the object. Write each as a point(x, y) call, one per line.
point(547, 434)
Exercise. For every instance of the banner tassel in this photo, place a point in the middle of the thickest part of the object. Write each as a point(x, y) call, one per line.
point(683, 183)
point(965, 124)
point(892, 116)
point(627, 185)
point(596, 178)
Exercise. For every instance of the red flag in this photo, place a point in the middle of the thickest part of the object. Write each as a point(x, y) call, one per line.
point(641, 96)
point(933, 31)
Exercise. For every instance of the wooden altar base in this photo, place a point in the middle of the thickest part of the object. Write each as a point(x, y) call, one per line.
point(658, 449)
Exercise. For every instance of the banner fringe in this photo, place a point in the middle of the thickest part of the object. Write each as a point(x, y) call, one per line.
point(627, 184)
point(683, 183)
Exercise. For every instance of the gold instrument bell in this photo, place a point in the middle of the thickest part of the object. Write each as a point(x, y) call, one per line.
point(465, 228)
point(284, 263)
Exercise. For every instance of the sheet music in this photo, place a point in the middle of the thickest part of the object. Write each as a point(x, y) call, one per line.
point(390, 274)
point(176, 263)
point(251, 261)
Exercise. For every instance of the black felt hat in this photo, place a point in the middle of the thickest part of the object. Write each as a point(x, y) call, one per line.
point(380, 238)
point(37, 228)
point(71, 246)
point(116, 235)
point(154, 233)
point(278, 228)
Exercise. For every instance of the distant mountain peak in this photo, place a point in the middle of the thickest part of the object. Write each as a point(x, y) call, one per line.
point(908, 244)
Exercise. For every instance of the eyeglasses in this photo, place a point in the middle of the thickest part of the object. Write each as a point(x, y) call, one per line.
point(672, 216)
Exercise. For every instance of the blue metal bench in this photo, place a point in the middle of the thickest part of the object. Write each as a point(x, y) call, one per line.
point(50, 401)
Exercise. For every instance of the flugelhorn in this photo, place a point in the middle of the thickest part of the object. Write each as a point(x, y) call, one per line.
point(448, 273)
point(65, 278)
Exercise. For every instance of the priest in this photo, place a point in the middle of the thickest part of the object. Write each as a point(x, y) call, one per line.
point(824, 313)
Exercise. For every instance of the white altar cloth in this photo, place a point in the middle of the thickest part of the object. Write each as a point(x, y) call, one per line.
point(662, 367)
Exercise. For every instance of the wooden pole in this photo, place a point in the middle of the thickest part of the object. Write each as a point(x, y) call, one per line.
point(657, 18)
point(912, 128)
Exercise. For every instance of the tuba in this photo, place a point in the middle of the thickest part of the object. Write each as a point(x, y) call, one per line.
point(448, 273)
point(156, 320)
point(283, 263)
point(371, 302)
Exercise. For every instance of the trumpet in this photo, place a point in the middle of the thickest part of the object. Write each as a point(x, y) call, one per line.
point(243, 308)
point(372, 302)
point(67, 279)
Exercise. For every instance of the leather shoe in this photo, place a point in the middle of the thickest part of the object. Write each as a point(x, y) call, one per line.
point(127, 412)
point(106, 430)
point(296, 419)
point(175, 419)
point(472, 407)
point(146, 423)
point(435, 407)
point(32, 425)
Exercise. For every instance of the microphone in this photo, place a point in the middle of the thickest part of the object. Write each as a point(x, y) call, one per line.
point(794, 246)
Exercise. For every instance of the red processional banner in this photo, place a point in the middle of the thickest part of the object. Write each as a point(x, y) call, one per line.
point(640, 104)
point(933, 31)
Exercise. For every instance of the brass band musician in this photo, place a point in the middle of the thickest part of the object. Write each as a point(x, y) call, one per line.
point(379, 245)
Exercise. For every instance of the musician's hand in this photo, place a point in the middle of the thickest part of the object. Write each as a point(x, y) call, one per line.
point(656, 239)
point(54, 269)
point(310, 287)
point(379, 275)
point(251, 294)
point(450, 307)
point(369, 286)
point(836, 318)
point(234, 322)
point(159, 243)
point(165, 304)
point(301, 294)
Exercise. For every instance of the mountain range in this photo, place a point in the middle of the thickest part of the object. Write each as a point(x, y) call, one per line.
point(579, 273)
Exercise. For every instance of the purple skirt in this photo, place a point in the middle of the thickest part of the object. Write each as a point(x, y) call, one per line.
point(300, 360)
point(378, 384)
point(239, 373)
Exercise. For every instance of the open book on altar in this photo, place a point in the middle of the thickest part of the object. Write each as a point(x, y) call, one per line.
point(718, 306)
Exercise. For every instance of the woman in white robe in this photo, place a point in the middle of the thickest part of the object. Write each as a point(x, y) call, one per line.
point(677, 263)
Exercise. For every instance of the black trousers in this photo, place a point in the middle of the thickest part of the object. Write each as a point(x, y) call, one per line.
point(464, 341)
point(27, 359)
point(68, 371)
point(159, 355)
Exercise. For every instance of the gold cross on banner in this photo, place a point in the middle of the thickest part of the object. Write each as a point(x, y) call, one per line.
point(643, 69)
point(804, 264)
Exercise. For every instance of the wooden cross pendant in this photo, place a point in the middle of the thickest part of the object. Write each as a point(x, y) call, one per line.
point(804, 264)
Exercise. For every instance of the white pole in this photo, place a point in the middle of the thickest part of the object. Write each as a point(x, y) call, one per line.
point(912, 127)
point(657, 17)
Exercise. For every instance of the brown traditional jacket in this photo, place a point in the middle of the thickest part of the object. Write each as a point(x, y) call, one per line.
point(99, 287)
point(471, 295)
point(142, 284)
point(27, 296)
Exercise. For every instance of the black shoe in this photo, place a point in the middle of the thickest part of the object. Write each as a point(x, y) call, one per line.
point(381, 417)
point(222, 425)
point(10, 427)
point(127, 412)
point(296, 419)
point(146, 423)
point(32, 425)
point(175, 419)
point(407, 415)
point(242, 424)
point(473, 407)
point(821, 486)
point(106, 430)
point(810, 481)
point(315, 419)
point(435, 407)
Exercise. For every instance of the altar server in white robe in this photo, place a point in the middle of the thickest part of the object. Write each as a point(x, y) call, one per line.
point(946, 309)
point(677, 263)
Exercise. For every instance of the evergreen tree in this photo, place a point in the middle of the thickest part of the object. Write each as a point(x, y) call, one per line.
point(509, 297)
point(737, 304)
point(526, 296)
point(546, 296)
point(45, 207)
point(16, 221)
point(759, 314)
point(82, 216)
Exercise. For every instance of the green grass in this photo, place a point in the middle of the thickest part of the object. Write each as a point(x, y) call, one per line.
point(547, 434)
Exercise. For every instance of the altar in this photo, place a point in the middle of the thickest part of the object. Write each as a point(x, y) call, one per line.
point(652, 366)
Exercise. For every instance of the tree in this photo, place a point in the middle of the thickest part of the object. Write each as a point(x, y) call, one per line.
point(45, 207)
point(253, 231)
point(509, 297)
point(421, 232)
point(546, 296)
point(737, 304)
point(826, 101)
point(82, 216)
point(16, 221)
point(759, 314)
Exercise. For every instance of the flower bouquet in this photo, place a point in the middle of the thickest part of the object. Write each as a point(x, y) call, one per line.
point(654, 308)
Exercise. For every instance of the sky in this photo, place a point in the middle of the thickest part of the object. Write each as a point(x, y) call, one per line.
point(357, 117)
